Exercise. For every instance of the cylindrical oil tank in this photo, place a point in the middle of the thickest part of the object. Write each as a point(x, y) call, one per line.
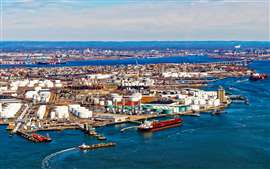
point(53, 115)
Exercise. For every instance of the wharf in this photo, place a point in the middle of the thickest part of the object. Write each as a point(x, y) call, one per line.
point(92, 132)
point(27, 136)
point(58, 128)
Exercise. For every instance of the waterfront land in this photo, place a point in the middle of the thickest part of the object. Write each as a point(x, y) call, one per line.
point(31, 53)
point(68, 97)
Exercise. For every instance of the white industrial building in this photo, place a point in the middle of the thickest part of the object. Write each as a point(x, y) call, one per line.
point(41, 112)
point(39, 95)
point(9, 110)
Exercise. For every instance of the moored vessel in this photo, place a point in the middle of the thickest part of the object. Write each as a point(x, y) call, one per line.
point(258, 76)
point(160, 125)
point(41, 138)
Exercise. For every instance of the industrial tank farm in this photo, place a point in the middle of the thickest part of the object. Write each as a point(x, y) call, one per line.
point(59, 98)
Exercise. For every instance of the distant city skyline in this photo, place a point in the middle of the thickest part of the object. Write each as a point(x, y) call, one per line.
point(130, 20)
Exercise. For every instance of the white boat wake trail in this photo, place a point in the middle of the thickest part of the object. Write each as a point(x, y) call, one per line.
point(240, 81)
point(45, 161)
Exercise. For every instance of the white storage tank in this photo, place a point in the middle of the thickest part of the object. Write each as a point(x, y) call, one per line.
point(30, 94)
point(38, 88)
point(41, 84)
point(116, 97)
point(187, 101)
point(85, 114)
point(202, 102)
point(61, 112)
point(102, 103)
point(136, 97)
point(58, 85)
point(180, 96)
point(96, 101)
point(109, 103)
point(195, 107)
point(80, 112)
point(196, 101)
point(72, 107)
point(210, 102)
point(53, 115)
point(216, 102)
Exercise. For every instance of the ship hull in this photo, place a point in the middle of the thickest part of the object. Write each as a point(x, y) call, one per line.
point(159, 128)
point(161, 125)
point(258, 77)
point(41, 138)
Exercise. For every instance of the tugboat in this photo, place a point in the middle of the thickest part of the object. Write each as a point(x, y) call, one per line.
point(41, 138)
point(100, 137)
point(257, 76)
point(159, 125)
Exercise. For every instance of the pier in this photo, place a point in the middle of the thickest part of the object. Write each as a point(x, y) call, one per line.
point(20, 119)
point(28, 136)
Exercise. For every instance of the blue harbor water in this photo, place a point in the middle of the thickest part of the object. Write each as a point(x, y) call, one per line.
point(239, 139)
point(126, 61)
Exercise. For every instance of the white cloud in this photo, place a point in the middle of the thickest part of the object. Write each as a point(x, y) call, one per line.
point(160, 21)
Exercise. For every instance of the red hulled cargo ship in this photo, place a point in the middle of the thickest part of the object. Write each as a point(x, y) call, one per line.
point(258, 76)
point(160, 125)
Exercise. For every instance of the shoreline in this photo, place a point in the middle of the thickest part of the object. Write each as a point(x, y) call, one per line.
point(132, 119)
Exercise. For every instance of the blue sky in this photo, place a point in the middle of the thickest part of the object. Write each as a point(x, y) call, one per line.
point(124, 20)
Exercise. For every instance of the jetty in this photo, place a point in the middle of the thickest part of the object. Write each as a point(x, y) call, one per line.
point(20, 119)
point(33, 137)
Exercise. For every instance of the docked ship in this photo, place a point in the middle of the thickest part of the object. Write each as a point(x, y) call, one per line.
point(41, 138)
point(160, 125)
point(258, 76)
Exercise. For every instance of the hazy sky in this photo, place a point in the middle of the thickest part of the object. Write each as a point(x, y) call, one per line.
point(135, 20)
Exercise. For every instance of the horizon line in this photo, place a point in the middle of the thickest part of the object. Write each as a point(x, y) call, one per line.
point(135, 41)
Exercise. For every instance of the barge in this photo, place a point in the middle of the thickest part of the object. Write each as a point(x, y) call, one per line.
point(96, 146)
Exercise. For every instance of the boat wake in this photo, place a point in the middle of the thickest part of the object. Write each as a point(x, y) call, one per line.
point(45, 162)
point(240, 81)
